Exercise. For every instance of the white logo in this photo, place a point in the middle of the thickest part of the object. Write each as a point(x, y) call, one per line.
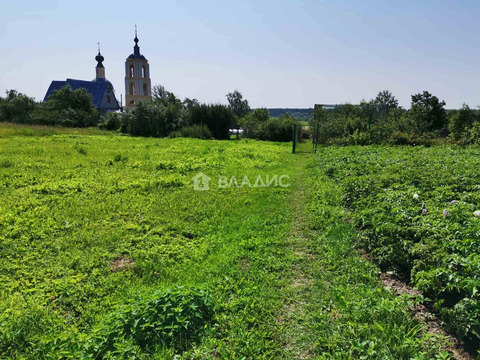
point(201, 182)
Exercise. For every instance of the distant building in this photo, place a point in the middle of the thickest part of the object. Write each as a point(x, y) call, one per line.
point(137, 76)
point(100, 88)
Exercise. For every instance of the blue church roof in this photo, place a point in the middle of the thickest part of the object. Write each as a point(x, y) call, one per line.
point(96, 88)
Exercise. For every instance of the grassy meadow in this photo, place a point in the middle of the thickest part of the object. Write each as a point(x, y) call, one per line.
point(108, 252)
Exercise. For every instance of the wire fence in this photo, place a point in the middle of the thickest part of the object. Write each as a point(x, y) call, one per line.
point(305, 138)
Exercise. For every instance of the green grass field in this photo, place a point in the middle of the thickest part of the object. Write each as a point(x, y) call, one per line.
point(107, 251)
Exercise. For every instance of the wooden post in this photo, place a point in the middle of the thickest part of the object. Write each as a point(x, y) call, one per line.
point(294, 145)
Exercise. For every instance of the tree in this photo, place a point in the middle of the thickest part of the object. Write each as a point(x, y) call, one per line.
point(147, 118)
point(218, 118)
point(253, 122)
point(260, 115)
point(159, 92)
point(188, 103)
point(16, 107)
point(239, 107)
point(384, 102)
point(67, 107)
point(461, 122)
point(427, 113)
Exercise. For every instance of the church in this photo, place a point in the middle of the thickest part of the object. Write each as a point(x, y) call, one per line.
point(137, 82)
point(137, 76)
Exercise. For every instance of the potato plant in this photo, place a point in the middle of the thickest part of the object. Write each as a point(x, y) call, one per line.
point(417, 212)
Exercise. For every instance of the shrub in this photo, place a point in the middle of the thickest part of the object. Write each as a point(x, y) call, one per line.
point(399, 138)
point(197, 131)
point(276, 129)
point(173, 317)
point(359, 138)
point(461, 122)
point(16, 108)
point(218, 118)
point(111, 121)
point(258, 125)
point(147, 119)
point(474, 133)
point(67, 107)
point(427, 113)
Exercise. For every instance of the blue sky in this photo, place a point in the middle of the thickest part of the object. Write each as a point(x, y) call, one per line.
point(277, 53)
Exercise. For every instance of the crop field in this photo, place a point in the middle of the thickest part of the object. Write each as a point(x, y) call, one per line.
point(108, 252)
point(417, 211)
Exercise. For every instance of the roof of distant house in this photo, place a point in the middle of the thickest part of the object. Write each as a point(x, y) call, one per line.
point(96, 88)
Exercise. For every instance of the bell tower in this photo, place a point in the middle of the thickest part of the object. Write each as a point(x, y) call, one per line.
point(99, 69)
point(137, 76)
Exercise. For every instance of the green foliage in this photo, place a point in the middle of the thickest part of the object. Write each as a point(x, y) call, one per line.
point(412, 139)
point(150, 119)
point(172, 318)
point(194, 131)
point(427, 113)
point(461, 122)
point(218, 118)
point(16, 108)
point(111, 121)
point(10, 129)
point(239, 107)
point(82, 235)
point(260, 115)
point(474, 133)
point(417, 218)
point(385, 102)
point(67, 107)
point(297, 113)
point(259, 125)
point(358, 317)
point(160, 93)
point(166, 114)
point(382, 121)
point(275, 129)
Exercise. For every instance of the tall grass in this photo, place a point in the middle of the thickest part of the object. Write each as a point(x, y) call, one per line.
point(10, 129)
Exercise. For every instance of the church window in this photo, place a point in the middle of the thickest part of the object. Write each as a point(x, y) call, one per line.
point(145, 89)
point(131, 70)
point(144, 72)
point(132, 89)
point(132, 103)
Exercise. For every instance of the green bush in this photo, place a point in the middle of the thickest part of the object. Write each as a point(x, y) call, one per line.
point(258, 125)
point(167, 115)
point(111, 121)
point(399, 138)
point(474, 134)
point(461, 121)
point(359, 138)
point(276, 129)
point(197, 131)
point(16, 108)
point(218, 118)
point(174, 318)
point(149, 119)
point(412, 139)
point(67, 107)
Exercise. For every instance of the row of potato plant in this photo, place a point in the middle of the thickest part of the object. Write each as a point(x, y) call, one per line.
point(417, 211)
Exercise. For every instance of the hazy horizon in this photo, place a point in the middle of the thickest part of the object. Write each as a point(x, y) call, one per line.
point(279, 54)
